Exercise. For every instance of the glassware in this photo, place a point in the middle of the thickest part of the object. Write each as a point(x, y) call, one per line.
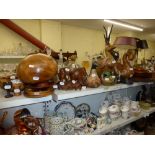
point(60, 61)
point(85, 64)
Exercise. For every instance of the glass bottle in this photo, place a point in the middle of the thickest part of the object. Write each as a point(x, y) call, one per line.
point(86, 62)
point(60, 61)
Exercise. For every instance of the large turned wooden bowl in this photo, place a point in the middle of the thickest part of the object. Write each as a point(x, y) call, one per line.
point(37, 68)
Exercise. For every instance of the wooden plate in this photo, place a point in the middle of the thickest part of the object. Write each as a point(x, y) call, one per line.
point(36, 93)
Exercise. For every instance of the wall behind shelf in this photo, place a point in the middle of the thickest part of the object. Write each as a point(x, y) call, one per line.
point(57, 35)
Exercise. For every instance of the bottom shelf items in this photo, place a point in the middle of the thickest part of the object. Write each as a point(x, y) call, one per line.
point(80, 126)
point(56, 125)
point(122, 122)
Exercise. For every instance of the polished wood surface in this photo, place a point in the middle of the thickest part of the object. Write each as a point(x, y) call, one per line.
point(37, 68)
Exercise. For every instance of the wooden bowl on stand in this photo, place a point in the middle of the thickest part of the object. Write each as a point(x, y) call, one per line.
point(37, 71)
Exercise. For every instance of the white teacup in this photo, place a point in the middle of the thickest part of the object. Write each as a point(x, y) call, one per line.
point(125, 111)
point(135, 106)
point(101, 122)
point(56, 125)
point(127, 103)
point(114, 112)
point(103, 111)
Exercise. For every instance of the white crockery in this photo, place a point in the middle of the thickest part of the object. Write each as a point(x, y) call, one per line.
point(56, 120)
point(114, 112)
point(135, 106)
point(103, 111)
point(125, 111)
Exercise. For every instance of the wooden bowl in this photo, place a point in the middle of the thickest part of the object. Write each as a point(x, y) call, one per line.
point(36, 93)
point(37, 68)
point(39, 85)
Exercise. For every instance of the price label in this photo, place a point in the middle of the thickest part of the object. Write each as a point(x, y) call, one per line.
point(62, 83)
point(73, 66)
point(7, 87)
point(93, 75)
point(31, 66)
point(12, 77)
point(131, 69)
point(35, 78)
point(16, 90)
point(84, 87)
point(55, 86)
point(67, 69)
point(106, 79)
point(73, 81)
point(36, 93)
point(113, 76)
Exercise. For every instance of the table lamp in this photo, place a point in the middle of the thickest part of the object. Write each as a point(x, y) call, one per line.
point(142, 44)
point(125, 42)
point(125, 69)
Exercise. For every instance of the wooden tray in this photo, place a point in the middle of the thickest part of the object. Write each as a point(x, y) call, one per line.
point(34, 93)
point(143, 74)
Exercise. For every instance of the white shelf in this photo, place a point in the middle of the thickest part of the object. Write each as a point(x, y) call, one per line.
point(20, 101)
point(122, 122)
point(62, 95)
point(12, 57)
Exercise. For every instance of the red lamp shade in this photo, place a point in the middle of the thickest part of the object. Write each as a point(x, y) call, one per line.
point(125, 42)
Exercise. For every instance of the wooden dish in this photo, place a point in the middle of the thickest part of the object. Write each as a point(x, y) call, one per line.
point(37, 68)
point(36, 93)
point(40, 85)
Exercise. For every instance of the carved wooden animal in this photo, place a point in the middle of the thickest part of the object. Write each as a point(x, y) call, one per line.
point(125, 69)
point(64, 74)
point(79, 74)
point(73, 79)
point(107, 63)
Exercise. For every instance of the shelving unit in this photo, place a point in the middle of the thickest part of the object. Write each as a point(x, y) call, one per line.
point(122, 122)
point(76, 95)
point(62, 95)
point(20, 101)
